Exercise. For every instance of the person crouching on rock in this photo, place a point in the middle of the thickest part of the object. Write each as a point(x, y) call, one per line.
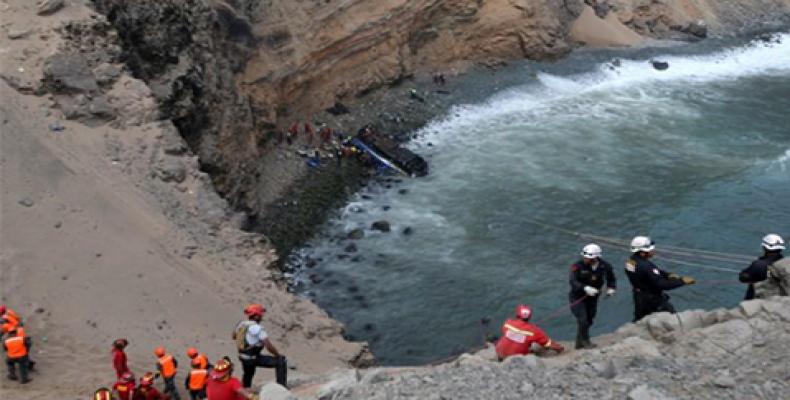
point(587, 279)
point(251, 339)
point(518, 335)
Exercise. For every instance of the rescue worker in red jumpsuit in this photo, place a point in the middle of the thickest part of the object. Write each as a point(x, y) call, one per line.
point(223, 386)
point(518, 335)
point(146, 390)
point(119, 357)
point(125, 386)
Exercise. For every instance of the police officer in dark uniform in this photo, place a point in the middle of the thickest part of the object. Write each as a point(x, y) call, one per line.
point(757, 271)
point(648, 281)
point(587, 280)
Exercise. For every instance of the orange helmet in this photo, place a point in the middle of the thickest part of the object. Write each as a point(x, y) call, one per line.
point(147, 379)
point(221, 369)
point(523, 312)
point(102, 394)
point(192, 352)
point(254, 310)
point(159, 351)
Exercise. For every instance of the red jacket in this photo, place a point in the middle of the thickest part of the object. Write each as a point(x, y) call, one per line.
point(119, 362)
point(148, 393)
point(227, 390)
point(518, 336)
point(125, 390)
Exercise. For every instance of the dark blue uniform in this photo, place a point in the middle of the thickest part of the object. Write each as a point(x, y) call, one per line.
point(584, 275)
point(649, 283)
point(757, 271)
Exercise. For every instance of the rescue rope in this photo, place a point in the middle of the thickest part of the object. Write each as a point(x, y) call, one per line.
point(557, 312)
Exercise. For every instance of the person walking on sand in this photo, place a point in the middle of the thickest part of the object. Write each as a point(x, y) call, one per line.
point(518, 335)
point(168, 367)
point(587, 280)
point(198, 357)
point(119, 357)
point(251, 339)
point(197, 379)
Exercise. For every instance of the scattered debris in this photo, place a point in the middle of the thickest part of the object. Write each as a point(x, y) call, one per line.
point(49, 7)
point(660, 65)
point(27, 202)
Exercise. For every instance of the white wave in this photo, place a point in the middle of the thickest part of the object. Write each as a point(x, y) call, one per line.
point(756, 58)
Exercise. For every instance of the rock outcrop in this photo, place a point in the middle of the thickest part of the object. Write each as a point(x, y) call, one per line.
point(720, 354)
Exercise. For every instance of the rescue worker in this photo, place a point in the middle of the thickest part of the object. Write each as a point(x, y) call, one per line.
point(308, 131)
point(17, 347)
point(648, 281)
point(168, 367)
point(146, 389)
point(251, 339)
point(124, 387)
point(223, 386)
point(102, 394)
point(9, 320)
point(198, 358)
point(587, 281)
point(119, 357)
point(518, 335)
point(196, 379)
point(757, 271)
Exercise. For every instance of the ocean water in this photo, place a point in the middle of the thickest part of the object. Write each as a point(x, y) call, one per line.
point(696, 156)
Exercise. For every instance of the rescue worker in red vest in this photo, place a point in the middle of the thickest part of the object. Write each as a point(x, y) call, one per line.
point(196, 380)
point(223, 386)
point(251, 339)
point(587, 281)
point(518, 335)
point(167, 366)
point(124, 387)
point(199, 358)
point(17, 347)
point(146, 390)
point(757, 271)
point(648, 281)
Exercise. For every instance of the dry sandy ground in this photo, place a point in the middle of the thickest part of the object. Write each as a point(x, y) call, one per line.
point(100, 252)
point(606, 32)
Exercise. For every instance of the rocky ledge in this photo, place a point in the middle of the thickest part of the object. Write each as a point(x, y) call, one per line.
point(740, 353)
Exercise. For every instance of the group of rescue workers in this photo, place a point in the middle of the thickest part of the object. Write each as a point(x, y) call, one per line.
point(767, 276)
point(203, 381)
point(590, 277)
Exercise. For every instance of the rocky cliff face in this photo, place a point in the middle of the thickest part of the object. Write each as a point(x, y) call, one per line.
point(721, 354)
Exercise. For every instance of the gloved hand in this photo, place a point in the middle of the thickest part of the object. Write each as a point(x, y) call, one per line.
point(688, 280)
point(610, 292)
point(591, 291)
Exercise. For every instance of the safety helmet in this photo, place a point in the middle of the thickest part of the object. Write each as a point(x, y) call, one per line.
point(120, 343)
point(592, 251)
point(523, 312)
point(254, 310)
point(159, 351)
point(127, 377)
point(192, 352)
point(221, 369)
point(2, 309)
point(102, 394)
point(642, 243)
point(773, 242)
point(147, 379)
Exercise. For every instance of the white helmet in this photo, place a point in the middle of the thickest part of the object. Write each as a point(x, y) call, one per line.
point(642, 243)
point(773, 242)
point(592, 251)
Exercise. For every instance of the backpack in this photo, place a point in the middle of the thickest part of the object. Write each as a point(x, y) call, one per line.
point(240, 335)
point(777, 283)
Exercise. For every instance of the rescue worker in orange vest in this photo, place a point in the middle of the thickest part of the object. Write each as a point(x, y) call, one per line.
point(196, 380)
point(146, 390)
point(125, 386)
point(198, 358)
point(17, 346)
point(167, 366)
point(9, 319)
point(518, 335)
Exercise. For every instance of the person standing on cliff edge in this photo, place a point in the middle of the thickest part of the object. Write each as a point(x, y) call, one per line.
point(757, 271)
point(648, 281)
point(251, 339)
point(587, 279)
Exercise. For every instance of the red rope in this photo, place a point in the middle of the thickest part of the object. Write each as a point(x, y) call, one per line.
point(554, 314)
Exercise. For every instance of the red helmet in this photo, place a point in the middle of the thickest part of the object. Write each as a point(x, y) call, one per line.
point(102, 394)
point(127, 377)
point(192, 352)
point(221, 369)
point(254, 310)
point(159, 351)
point(524, 312)
point(2, 309)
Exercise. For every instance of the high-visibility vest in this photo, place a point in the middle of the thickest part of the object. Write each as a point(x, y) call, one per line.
point(15, 347)
point(168, 366)
point(197, 379)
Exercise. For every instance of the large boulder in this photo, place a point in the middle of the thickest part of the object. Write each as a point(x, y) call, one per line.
point(273, 391)
point(69, 73)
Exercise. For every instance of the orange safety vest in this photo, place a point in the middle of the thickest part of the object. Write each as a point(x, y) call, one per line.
point(168, 366)
point(15, 347)
point(197, 379)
